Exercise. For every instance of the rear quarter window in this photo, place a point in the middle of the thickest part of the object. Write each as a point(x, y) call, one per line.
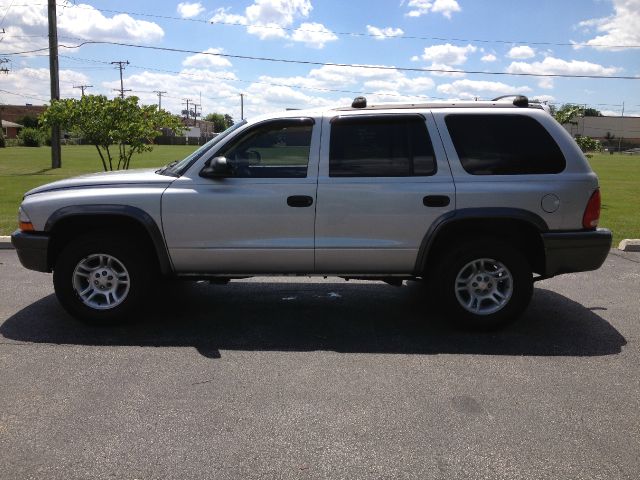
point(504, 145)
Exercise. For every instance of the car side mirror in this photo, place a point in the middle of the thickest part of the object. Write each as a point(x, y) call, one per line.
point(216, 167)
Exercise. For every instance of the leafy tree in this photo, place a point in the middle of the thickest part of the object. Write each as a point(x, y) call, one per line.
point(28, 121)
point(30, 137)
point(119, 124)
point(220, 122)
point(588, 144)
point(567, 112)
point(591, 112)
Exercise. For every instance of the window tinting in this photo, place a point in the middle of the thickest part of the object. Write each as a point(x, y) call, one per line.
point(278, 149)
point(391, 146)
point(504, 145)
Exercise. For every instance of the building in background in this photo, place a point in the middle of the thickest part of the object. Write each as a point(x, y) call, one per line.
point(10, 129)
point(611, 131)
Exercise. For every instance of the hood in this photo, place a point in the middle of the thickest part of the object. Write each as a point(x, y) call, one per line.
point(107, 179)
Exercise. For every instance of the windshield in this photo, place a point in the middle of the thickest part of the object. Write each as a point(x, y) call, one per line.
point(178, 168)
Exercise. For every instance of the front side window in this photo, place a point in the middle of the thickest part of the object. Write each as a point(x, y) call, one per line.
point(504, 144)
point(276, 149)
point(382, 146)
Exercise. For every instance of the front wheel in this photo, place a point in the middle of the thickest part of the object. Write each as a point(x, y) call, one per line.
point(484, 284)
point(102, 279)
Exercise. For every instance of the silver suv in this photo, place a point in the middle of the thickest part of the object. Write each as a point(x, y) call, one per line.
point(472, 198)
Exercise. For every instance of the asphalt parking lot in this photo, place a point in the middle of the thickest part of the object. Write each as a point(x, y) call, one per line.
point(313, 378)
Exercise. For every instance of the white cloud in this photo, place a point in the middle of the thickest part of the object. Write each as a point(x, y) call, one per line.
point(383, 33)
point(448, 54)
point(489, 57)
point(557, 66)
point(542, 98)
point(422, 7)
point(446, 7)
point(223, 16)
point(620, 28)
point(271, 19)
point(469, 89)
point(279, 12)
point(522, 52)
point(313, 35)
point(217, 89)
point(442, 66)
point(546, 83)
point(34, 84)
point(78, 21)
point(204, 60)
point(189, 10)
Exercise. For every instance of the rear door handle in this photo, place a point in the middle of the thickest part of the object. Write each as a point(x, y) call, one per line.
point(436, 201)
point(300, 201)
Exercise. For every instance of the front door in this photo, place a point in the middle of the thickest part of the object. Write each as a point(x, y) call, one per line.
point(259, 218)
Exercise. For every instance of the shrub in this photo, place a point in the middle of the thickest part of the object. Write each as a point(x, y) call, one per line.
point(30, 137)
point(588, 144)
point(2, 142)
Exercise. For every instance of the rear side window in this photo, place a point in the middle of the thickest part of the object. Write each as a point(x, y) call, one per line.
point(383, 146)
point(504, 145)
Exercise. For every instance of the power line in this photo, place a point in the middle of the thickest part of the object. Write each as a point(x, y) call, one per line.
point(352, 34)
point(335, 64)
point(272, 84)
point(5, 14)
point(32, 97)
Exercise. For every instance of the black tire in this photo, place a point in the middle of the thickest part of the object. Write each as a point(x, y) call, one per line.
point(138, 265)
point(451, 269)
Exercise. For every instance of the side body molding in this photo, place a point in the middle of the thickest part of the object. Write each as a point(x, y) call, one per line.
point(134, 213)
point(464, 214)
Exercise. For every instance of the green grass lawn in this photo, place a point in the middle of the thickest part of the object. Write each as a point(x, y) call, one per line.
point(23, 168)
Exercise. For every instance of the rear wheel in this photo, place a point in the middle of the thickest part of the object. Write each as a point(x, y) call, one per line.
point(484, 284)
point(102, 278)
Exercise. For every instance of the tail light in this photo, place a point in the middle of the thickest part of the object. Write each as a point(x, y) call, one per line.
point(592, 212)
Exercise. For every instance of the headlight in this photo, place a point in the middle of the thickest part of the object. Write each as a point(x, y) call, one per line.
point(24, 222)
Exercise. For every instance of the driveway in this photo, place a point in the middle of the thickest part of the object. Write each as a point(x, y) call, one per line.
point(322, 378)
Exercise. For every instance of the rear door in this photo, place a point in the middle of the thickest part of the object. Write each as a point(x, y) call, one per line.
point(383, 180)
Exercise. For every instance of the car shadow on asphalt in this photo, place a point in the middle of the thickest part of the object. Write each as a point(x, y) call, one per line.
point(340, 317)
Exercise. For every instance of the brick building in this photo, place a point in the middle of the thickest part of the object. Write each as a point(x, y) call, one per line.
point(15, 113)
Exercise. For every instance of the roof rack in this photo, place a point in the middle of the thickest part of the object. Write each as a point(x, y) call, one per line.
point(519, 101)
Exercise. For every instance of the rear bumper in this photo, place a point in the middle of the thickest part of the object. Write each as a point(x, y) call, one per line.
point(567, 252)
point(32, 249)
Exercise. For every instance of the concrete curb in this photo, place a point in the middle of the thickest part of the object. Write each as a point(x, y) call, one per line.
point(5, 243)
point(630, 245)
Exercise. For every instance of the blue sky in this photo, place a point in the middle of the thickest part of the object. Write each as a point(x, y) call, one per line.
point(592, 37)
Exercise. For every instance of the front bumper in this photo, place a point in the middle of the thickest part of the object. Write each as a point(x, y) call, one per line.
point(32, 249)
point(567, 252)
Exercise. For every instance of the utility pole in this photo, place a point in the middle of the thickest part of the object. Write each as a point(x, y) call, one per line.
point(56, 152)
point(82, 87)
point(159, 93)
point(121, 65)
point(186, 112)
point(4, 69)
point(242, 106)
point(621, 130)
point(122, 91)
point(195, 113)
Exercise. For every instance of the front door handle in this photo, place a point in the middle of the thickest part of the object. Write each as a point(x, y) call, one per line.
point(300, 201)
point(436, 201)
